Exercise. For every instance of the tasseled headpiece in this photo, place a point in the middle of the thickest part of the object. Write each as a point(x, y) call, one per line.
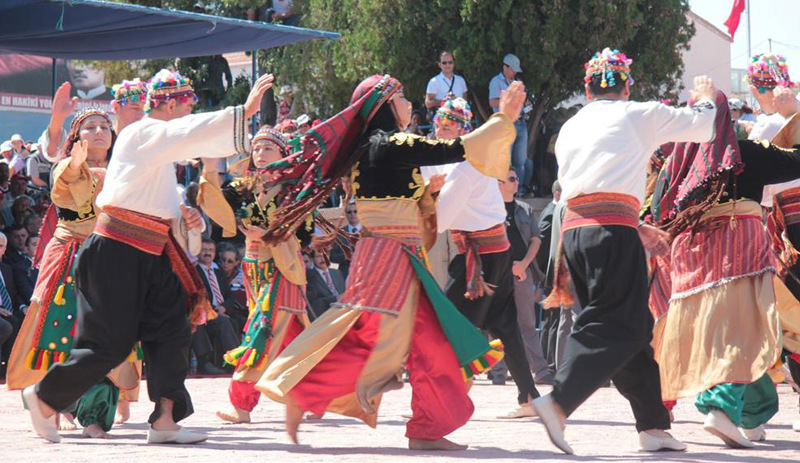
point(606, 64)
point(129, 90)
point(168, 85)
point(456, 112)
point(268, 134)
point(768, 71)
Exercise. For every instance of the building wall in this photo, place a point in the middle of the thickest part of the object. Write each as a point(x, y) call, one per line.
point(709, 54)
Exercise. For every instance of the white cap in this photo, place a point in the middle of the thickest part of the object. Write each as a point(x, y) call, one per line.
point(16, 137)
point(735, 103)
point(303, 119)
point(286, 89)
point(513, 62)
point(6, 146)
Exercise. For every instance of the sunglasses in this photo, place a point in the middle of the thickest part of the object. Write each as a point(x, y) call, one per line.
point(513, 179)
point(352, 212)
point(228, 261)
point(446, 62)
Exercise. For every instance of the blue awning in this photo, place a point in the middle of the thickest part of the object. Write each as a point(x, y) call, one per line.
point(97, 30)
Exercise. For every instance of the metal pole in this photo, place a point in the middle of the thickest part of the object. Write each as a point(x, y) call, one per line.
point(53, 83)
point(770, 45)
point(255, 77)
point(749, 39)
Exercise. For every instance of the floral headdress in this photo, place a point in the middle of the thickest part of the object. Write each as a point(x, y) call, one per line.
point(168, 85)
point(129, 90)
point(75, 129)
point(606, 64)
point(767, 71)
point(456, 112)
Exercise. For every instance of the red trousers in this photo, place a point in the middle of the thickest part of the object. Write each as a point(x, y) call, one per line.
point(244, 395)
point(439, 400)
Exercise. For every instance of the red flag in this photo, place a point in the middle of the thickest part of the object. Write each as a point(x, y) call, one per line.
point(736, 13)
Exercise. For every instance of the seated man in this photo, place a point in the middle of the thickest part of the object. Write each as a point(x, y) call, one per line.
point(324, 285)
point(221, 328)
point(11, 311)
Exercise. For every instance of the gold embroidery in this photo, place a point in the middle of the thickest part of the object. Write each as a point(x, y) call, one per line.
point(417, 185)
point(354, 173)
point(402, 138)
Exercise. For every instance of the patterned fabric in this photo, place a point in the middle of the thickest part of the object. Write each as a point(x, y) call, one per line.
point(591, 210)
point(490, 241)
point(689, 176)
point(327, 155)
point(730, 243)
point(5, 297)
point(214, 283)
point(46, 232)
point(152, 236)
point(785, 213)
point(660, 286)
point(605, 64)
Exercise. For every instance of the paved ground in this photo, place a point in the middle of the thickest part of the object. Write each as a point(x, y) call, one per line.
point(601, 430)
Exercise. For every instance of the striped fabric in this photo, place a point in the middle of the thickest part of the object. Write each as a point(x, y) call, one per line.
point(152, 235)
point(597, 209)
point(590, 210)
point(730, 243)
point(368, 288)
point(785, 213)
point(490, 241)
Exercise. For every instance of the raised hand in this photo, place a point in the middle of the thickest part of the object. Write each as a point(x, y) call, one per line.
point(703, 89)
point(784, 102)
point(512, 99)
point(63, 105)
point(252, 232)
point(253, 102)
point(436, 183)
point(79, 153)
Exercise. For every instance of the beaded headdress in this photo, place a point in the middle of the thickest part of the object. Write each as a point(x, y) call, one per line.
point(607, 64)
point(129, 90)
point(268, 134)
point(168, 85)
point(767, 71)
point(454, 112)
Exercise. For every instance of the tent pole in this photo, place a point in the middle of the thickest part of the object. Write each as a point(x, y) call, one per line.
point(53, 84)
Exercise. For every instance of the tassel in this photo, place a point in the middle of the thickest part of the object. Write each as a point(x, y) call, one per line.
point(59, 298)
point(30, 359)
point(62, 357)
point(39, 360)
point(46, 360)
point(251, 358)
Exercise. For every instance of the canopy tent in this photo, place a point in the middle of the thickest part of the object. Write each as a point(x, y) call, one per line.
point(98, 30)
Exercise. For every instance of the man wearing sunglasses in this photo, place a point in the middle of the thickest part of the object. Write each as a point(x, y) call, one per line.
point(445, 83)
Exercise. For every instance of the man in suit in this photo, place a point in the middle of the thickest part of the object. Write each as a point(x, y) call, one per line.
point(523, 235)
point(324, 285)
point(353, 226)
point(15, 252)
point(25, 274)
point(550, 317)
point(11, 311)
point(220, 329)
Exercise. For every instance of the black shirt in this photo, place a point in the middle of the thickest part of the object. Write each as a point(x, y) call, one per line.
point(518, 247)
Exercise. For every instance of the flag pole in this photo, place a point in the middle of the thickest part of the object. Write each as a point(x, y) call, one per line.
point(749, 41)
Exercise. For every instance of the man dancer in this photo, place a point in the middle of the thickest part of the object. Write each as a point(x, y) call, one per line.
point(481, 285)
point(603, 153)
point(133, 278)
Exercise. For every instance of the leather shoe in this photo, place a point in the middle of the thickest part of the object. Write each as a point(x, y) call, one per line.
point(654, 443)
point(718, 424)
point(181, 436)
point(44, 427)
point(544, 380)
point(545, 408)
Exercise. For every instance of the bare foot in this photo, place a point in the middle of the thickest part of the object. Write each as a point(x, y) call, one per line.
point(294, 415)
point(314, 416)
point(238, 416)
point(67, 423)
point(123, 412)
point(440, 444)
point(94, 431)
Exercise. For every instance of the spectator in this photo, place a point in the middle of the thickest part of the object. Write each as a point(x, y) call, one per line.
point(324, 285)
point(446, 84)
point(550, 317)
point(24, 273)
point(500, 82)
point(15, 252)
point(303, 124)
point(19, 154)
point(21, 209)
point(230, 262)
point(5, 184)
point(33, 223)
point(353, 224)
point(38, 169)
point(282, 12)
point(7, 151)
point(524, 237)
point(219, 330)
point(212, 89)
point(286, 106)
point(417, 119)
point(11, 311)
point(17, 186)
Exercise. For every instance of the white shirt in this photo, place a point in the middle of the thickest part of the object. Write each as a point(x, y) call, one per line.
point(282, 6)
point(469, 200)
point(141, 175)
point(766, 127)
point(439, 85)
point(606, 146)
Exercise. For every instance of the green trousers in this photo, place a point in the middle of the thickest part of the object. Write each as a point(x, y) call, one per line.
point(97, 406)
point(747, 405)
